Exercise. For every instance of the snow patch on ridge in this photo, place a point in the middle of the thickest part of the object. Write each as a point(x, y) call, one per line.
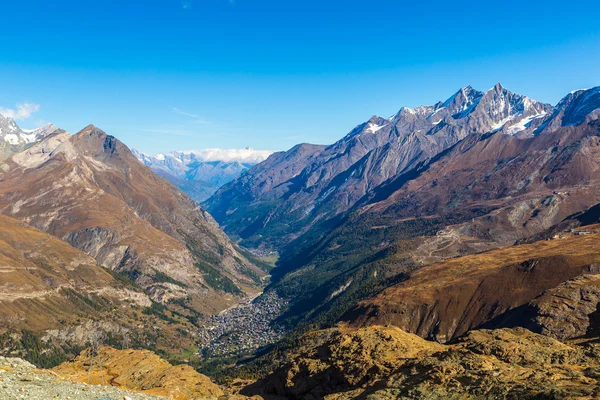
point(11, 138)
point(373, 128)
point(522, 124)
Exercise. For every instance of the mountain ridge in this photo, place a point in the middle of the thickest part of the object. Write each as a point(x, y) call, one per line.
point(374, 151)
point(486, 191)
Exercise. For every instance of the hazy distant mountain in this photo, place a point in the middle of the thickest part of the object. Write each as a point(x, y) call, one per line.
point(14, 139)
point(200, 173)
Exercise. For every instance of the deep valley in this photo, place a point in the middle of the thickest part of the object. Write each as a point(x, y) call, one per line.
point(449, 251)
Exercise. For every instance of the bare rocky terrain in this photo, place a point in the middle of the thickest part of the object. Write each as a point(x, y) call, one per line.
point(20, 380)
point(138, 370)
point(387, 363)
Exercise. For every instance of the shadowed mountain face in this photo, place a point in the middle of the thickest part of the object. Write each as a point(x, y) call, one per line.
point(326, 181)
point(90, 191)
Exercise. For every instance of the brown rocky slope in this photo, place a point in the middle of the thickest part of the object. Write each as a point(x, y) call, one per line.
point(444, 300)
point(386, 363)
point(89, 190)
point(138, 370)
point(54, 299)
point(42, 278)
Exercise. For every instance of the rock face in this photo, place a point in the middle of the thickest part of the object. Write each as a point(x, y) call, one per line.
point(44, 280)
point(200, 173)
point(20, 379)
point(330, 180)
point(382, 362)
point(140, 371)
point(89, 190)
point(567, 311)
point(54, 298)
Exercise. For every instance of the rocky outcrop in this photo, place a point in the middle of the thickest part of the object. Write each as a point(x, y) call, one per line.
point(385, 362)
point(570, 310)
point(543, 286)
point(22, 380)
point(138, 370)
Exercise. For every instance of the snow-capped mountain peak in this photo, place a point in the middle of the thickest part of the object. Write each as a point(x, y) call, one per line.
point(14, 139)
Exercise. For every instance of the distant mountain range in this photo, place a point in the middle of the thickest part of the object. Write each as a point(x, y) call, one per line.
point(199, 173)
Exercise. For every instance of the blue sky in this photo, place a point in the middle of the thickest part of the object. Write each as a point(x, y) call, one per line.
point(168, 74)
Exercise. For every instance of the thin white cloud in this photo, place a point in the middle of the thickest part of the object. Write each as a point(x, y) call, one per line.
point(168, 131)
point(187, 114)
point(197, 118)
point(21, 112)
point(186, 4)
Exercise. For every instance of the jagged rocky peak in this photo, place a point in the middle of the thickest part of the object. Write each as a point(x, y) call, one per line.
point(13, 139)
point(499, 101)
point(11, 133)
point(486, 111)
point(497, 109)
point(374, 124)
point(407, 113)
point(459, 104)
point(8, 126)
